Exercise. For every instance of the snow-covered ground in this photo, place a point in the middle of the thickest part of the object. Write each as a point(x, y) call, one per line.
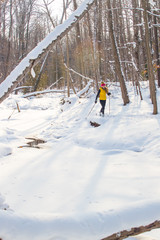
point(84, 182)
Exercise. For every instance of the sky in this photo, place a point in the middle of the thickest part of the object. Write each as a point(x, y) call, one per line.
point(58, 7)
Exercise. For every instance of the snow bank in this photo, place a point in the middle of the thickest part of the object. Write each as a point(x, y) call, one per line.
point(84, 182)
point(4, 150)
point(3, 205)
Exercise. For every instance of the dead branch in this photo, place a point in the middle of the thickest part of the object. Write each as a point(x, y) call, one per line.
point(70, 69)
point(42, 92)
point(133, 231)
point(95, 124)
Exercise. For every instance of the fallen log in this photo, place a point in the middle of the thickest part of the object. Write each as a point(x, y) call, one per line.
point(133, 231)
point(33, 94)
point(34, 143)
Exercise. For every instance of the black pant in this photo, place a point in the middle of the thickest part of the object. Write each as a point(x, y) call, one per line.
point(103, 103)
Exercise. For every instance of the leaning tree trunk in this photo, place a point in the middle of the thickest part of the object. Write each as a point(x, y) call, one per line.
point(149, 59)
point(133, 231)
point(23, 70)
point(119, 70)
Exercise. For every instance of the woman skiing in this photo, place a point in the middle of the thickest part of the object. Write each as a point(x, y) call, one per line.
point(103, 90)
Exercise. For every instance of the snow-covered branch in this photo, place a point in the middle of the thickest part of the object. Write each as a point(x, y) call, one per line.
point(85, 89)
point(87, 78)
point(41, 49)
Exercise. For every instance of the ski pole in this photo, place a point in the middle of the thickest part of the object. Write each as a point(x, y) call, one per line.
point(14, 110)
point(91, 110)
point(11, 114)
point(109, 105)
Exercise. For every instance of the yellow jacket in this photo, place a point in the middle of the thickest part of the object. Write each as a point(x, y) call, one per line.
point(102, 93)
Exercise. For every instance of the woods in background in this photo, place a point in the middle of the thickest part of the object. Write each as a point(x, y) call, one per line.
point(116, 41)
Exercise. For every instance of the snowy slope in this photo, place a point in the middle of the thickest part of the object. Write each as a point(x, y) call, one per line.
point(84, 182)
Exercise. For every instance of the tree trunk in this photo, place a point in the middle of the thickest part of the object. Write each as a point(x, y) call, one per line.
point(149, 59)
point(100, 38)
point(133, 231)
point(95, 52)
point(67, 52)
point(157, 49)
point(92, 53)
point(119, 71)
point(79, 47)
point(135, 28)
point(142, 36)
point(9, 41)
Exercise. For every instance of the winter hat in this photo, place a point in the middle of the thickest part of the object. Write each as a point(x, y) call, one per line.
point(103, 84)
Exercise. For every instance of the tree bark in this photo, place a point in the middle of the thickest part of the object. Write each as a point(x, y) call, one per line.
point(119, 70)
point(149, 59)
point(91, 37)
point(100, 38)
point(136, 34)
point(79, 48)
point(95, 52)
point(157, 49)
point(133, 232)
point(9, 41)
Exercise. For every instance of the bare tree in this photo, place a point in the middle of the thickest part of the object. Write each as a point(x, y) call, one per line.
point(149, 58)
point(3, 38)
point(100, 38)
point(116, 54)
point(103, 48)
point(157, 46)
point(79, 51)
point(9, 40)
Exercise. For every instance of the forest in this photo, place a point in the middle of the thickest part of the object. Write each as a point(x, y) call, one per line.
point(62, 177)
point(115, 41)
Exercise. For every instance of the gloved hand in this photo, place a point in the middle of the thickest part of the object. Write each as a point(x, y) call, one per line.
point(109, 94)
point(96, 101)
